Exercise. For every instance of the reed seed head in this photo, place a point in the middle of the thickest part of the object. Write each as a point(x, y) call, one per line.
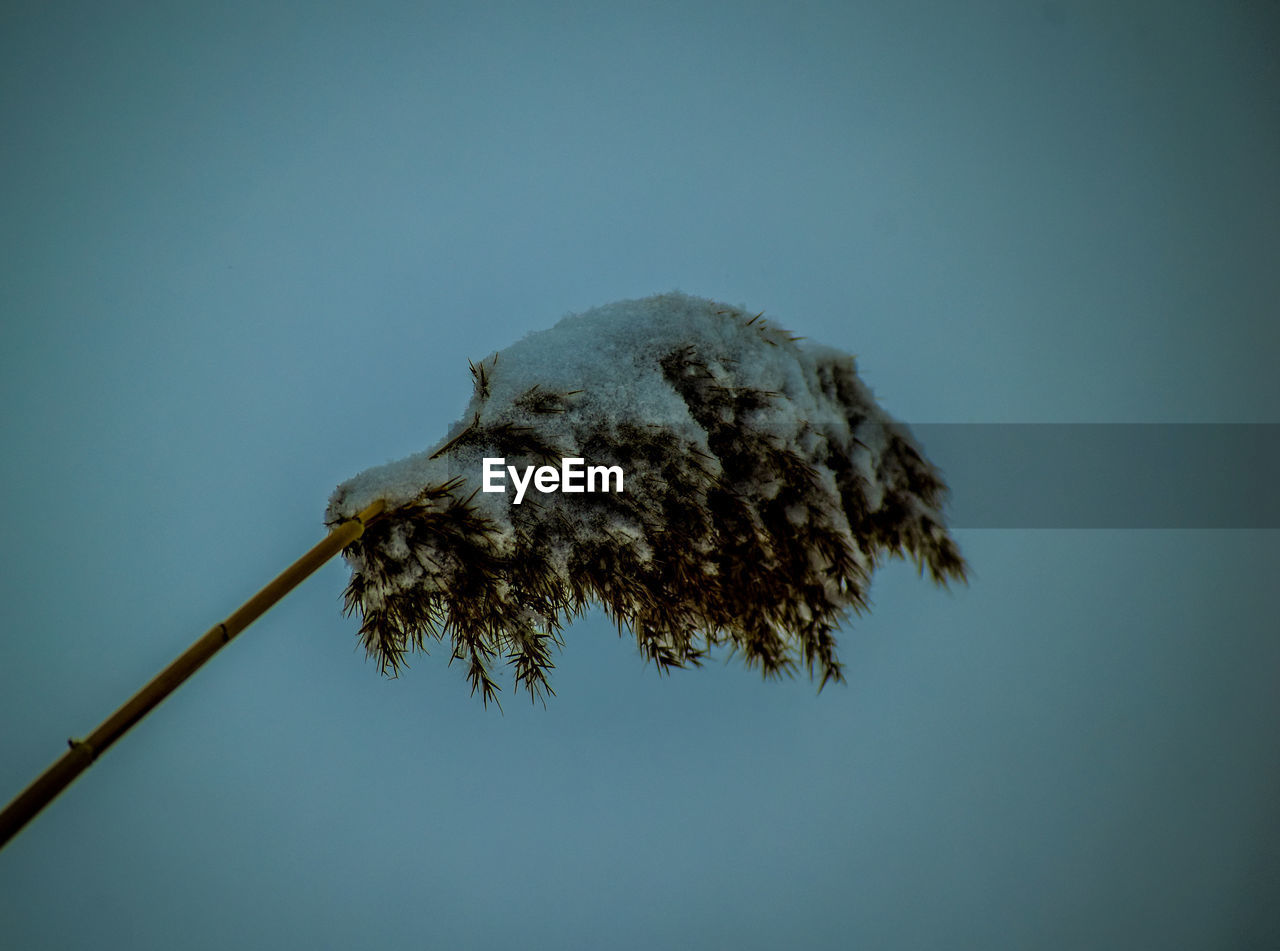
point(762, 485)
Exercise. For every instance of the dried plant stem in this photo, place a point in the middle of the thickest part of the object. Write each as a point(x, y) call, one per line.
point(83, 752)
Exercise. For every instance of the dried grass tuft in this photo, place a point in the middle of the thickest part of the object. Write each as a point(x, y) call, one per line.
point(738, 538)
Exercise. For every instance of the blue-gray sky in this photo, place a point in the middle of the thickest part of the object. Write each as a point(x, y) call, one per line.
point(246, 250)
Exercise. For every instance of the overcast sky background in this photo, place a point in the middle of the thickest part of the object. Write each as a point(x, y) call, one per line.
point(246, 250)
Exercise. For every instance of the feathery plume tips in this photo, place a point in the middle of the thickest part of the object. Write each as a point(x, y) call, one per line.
point(760, 484)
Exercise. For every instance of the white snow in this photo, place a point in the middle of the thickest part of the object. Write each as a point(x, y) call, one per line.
point(609, 358)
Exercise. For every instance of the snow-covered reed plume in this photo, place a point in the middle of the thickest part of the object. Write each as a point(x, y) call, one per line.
point(762, 484)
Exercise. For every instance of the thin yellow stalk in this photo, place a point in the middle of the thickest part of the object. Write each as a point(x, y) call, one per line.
point(83, 752)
